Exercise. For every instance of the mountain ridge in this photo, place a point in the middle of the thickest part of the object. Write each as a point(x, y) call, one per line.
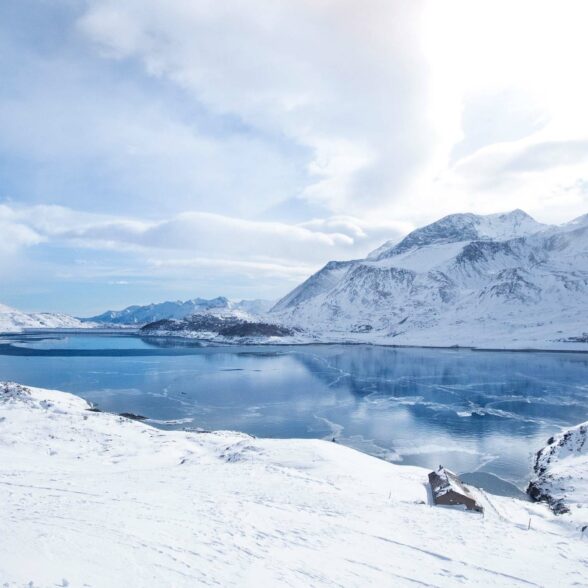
point(138, 315)
point(465, 227)
point(466, 279)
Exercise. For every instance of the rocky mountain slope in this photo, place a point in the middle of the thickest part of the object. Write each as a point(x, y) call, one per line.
point(562, 471)
point(141, 315)
point(501, 280)
point(12, 320)
point(95, 499)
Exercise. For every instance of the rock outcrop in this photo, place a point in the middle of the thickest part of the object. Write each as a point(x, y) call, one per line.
point(561, 469)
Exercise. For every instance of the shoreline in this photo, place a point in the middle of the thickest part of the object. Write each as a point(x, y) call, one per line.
point(208, 342)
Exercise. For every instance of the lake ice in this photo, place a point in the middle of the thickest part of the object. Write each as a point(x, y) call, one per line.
point(475, 412)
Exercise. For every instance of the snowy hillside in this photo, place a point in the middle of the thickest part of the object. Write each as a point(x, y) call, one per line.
point(141, 315)
point(12, 320)
point(500, 280)
point(562, 471)
point(93, 499)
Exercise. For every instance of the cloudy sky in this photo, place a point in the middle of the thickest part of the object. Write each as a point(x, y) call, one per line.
point(156, 149)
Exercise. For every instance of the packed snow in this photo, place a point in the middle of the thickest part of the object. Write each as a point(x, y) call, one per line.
point(94, 499)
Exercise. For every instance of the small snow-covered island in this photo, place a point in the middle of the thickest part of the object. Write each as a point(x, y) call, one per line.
point(95, 499)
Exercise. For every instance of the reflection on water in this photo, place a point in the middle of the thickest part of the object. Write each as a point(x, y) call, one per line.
point(483, 412)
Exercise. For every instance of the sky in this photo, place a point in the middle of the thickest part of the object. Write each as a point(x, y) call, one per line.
point(169, 149)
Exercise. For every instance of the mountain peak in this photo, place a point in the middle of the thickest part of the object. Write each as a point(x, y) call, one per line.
point(466, 226)
point(578, 222)
point(517, 213)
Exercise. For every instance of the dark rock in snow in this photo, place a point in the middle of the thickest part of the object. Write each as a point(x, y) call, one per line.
point(247, 329)
point(132, 416)
point(213, 325)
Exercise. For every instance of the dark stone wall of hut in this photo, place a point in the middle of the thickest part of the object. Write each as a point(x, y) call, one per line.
point(452, 498)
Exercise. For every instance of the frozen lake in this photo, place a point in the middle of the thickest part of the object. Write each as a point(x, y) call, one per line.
point(475, 412)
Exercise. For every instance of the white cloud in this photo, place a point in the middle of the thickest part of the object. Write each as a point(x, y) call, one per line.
point(166, 129)
point(392, 102)
point(366, 109)
point(340, 78)
point(212, 234)
point(197, 239)
point(15, 234)
point(508, 105)
point(252, 269)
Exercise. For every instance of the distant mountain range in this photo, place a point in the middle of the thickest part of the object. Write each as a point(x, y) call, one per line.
point(141, 315)
point(501, 280)
point(12, 320)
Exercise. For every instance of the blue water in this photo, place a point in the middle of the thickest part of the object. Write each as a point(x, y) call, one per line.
point(481, 412)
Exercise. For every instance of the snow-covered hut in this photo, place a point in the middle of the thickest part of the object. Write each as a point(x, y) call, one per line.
point(448, 490)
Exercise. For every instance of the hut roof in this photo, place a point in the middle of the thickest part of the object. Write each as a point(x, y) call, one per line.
point(442, 481)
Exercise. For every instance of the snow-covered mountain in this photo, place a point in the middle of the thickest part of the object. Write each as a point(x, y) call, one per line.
point(500, 280)
point(12, 320)
point(141, 315)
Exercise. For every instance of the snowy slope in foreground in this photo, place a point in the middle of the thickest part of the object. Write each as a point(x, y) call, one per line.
point(92, 499)
point(562, 471)
point(12, 320)
point(502, 281)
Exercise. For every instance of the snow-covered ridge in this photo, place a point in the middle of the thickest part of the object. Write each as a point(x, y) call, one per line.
point(562, 471)
point(466, 227)
point(500, 281)
point(95, 499)
point(12, 320)
point(178, 309)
